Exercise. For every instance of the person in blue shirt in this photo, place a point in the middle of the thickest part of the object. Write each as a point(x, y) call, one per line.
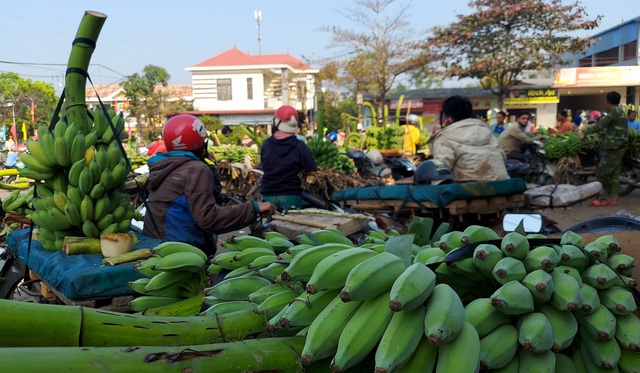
point(500, 125)
point(631, 118)
point(12, 159)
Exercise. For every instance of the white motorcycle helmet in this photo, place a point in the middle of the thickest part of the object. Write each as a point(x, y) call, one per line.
point(413, 119)
point(375, 156)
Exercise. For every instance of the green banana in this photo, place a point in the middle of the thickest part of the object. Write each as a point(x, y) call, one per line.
point(262, 261)
point(509, 269)
point(515, 245)
point(274, 303)
point(332, 271)
point(372, 277)
point(573, 272)
point(85, 182)
point(305, 308)
point(534, 332)
point(499, 347)
point(462, 354)
point(48, 147)
point(246, 256)
point(445, 315)
point(598, 252)
point(272, 271)
point(245, 242)
point(484, 317)
point(146, 302)
point(181, 261)
point(540, 284)
point(600, 276)
point(279, 244)
point(590, 299)
point(600, 324)
point(264, 292)
point(478, 233)
point(621, 262)
point(628, 331)
point(75, 171)
point(97, 191)
point(72, 213)
point(609, 242)
point(138, 285)
point(485, 257)
point(325, 236)
point(563, 325)
point(362, 332)
point(564, 364)
point(566, 294)
point(166, 279)
point(629, 361)
point(451, 240)
point(604, 353)
point(423, 255)
point(400, 339)
point(466, 269)
point(573, 256)
point(32, 163)
point(325, 330)
point(170, 247)
point(571, 238)
point(78, 147)
point(36, 149)
point(225, 308)
point(618, 300)
point(422, 360)
point(89, 229)
point(536, 362)
point(238, 288)
point(145, 267)
point(302, 265)
point(412, 288)
point(512, 298)
point(62, 151)
point(542, 257)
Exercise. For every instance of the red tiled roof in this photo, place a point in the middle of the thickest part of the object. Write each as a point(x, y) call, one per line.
point(235, 57)
point(106, 90)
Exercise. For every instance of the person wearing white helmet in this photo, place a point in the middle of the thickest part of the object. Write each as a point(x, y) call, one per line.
point(411, 134)
point(283, 156)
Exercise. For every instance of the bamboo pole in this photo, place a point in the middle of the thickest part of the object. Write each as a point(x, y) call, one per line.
point(258, 355)
point(81, 245)
point(75, 82)
point(26, 324)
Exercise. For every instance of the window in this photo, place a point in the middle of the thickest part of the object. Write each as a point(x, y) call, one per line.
point(224, 89)
point(249, 88)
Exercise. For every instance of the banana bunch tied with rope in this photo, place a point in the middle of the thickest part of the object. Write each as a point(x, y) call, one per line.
point(174, 273)
point(509, 306)
point(79, 180)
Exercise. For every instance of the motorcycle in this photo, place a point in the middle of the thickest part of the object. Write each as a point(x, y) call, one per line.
point(629, 172)
point(397, 167)
point(531, 166)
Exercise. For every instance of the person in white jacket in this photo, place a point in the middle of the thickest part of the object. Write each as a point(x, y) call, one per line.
point(467, 145)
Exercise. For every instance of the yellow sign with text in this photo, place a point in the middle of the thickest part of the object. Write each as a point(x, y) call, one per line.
point(532, 96)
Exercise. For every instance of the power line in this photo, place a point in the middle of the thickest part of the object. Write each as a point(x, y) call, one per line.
point(39, 65)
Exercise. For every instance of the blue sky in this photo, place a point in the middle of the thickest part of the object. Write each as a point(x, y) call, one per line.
point(178, 34)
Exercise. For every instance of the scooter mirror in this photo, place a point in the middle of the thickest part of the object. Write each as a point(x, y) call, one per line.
point(532, 222)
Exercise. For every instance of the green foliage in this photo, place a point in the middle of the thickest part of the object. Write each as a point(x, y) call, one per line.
point(234, 137)
point(212, 124)
point(502, 39)
point(386, 138)
point(20, 92)
point(148, 102)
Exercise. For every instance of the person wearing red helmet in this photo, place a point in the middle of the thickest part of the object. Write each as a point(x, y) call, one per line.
point(283, 156)
point(182, 201)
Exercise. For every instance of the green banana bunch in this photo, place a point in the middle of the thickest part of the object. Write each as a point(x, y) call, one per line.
point(302, 265)
point(499, 347)
point(445, 317)
point(461, 354)
point(372, 277)
point(239, 288)
point(400, 339)
point(331, 272)
point(305, 308)
point(412, 288)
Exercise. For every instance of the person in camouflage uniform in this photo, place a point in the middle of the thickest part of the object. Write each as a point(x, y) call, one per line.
point(614, 129)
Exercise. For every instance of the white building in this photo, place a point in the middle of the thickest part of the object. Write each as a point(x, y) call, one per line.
point(241, 88)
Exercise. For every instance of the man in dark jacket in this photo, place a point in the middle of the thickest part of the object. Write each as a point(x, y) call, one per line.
point(615, 131)
point(283, 156)
point(182, 202)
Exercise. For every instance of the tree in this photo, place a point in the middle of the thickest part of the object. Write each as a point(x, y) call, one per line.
point(148, 101)
point(20, 93)
point(503, 38)
point(383, 51)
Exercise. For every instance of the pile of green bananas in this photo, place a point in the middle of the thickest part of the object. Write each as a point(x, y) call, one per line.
point(633, 143)
point(326, 154)
point(83, 176)
point(16, 201)
point(512, 306)
point(175, 272)
point(138, 161)
point(233, 153)
point(563, 145)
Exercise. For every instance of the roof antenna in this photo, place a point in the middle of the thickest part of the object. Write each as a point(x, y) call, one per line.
point(258, 16)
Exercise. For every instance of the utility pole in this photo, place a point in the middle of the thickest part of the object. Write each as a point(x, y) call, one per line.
point(258, 16)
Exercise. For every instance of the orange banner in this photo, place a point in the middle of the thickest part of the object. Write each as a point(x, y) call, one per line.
point(596, 76)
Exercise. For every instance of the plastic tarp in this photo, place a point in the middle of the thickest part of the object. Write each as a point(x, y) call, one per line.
point(440, 195)
point(77, 277)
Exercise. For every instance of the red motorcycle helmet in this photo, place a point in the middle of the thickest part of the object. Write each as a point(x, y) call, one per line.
point(595, 115)
point(184, 132)
point(286, 112)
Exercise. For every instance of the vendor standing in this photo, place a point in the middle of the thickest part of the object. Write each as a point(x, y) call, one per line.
point(615, 131)
point(182, 203)
point(283, 156)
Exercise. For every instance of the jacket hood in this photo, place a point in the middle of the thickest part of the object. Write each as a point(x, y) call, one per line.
point(284, 146)
point(163, 164)
point(471, 131)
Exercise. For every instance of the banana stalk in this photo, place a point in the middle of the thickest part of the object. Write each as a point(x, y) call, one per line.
point(75, 326)
point(128, 257)
point(75, 82)
point(81, 245)
point(258, 355)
